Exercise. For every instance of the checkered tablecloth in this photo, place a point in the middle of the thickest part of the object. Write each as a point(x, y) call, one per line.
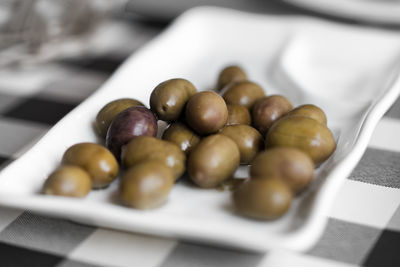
point(364, 222)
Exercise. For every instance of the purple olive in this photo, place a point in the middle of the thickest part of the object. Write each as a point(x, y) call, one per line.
point(130, 123)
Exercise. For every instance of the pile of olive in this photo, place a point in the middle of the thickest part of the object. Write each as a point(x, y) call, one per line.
point(209, 135)
point(84, 166)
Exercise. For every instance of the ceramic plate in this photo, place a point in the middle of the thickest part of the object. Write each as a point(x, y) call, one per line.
point(309, 61)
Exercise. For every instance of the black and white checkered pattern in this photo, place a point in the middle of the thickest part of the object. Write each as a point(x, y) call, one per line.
point(363, 227)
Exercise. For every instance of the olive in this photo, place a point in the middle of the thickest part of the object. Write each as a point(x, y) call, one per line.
point(181, 135)
point(269, 109)
point(70, 181)
point(248, 140)
point(98, 161)
point(168, 99)
point(230, 74)
point(310, 111)
point(304, 133)
point(243, 93)
point(213, 160)
point(206, 112)
point(130, 123)
point(291, 165)
point(109, 111)
point(146, 148)
point(238, 115)
point(263, 199)
point(146, 185)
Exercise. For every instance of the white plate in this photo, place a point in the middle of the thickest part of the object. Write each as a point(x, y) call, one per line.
point(376, 11)
point(309, 61)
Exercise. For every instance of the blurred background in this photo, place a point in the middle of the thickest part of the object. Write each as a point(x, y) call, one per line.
point(37, 31)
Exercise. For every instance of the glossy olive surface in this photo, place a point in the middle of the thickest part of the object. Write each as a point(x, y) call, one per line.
point(213, 160)
point(69, 181)
point(248, 140)
point(110, 110)
point(289, 164)
point(303, 133)
point(130, 123)
point(310, 111)
point(230, 74)
point(268, 110)
point(243, 93)
point(146, 148)
point(263, 199)
point(181, 135)
point(97, 160)
point(146, 185)
point(206, 112)
point(238, 115)
point(169, 98)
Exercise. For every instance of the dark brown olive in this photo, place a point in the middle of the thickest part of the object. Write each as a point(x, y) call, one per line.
point(169, 98)
point(146, 148)
point(181, 135)
point(230, 74)
point(243, 93)
point(69, 181)
point(109, 111)
point(238, 115)
point(206, 112)
point(291, 165)
point(268, 110)
point(310, 111)
point(98, 161)
point(248, 140)
point(213, 160)
point(263, 199)
point(130, 123)
point(146, 185)
point(303, 133)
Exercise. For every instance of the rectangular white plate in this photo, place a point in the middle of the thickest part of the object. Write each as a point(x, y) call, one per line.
point(350, 72)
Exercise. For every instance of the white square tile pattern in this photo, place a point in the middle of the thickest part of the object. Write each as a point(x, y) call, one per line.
point(365, 204)
point(386, 135)
point(121, 249)
point(280, 258)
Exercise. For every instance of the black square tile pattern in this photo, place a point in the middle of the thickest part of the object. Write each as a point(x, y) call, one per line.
point(386, 250)
point(40, 110)
point(2, 160)
point(106, 64)
point(13, 256)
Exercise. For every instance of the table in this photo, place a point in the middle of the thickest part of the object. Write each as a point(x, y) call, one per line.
point(364, 222)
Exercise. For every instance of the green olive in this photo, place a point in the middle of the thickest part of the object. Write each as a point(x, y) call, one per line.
point(291, 165)
point(213, 160)
point(69, 181)
point(181, 135)
point(243, 93)
point(303, 133)
point(109, 111)
point(269, 109)
point(310, 111)
point(248, 140)
point(230, 74)
point(146, 185)
point(169, 98)
point(206, 112)
point(97, 160)
point(144, 148)
point(238, 115)
point(263, 199)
